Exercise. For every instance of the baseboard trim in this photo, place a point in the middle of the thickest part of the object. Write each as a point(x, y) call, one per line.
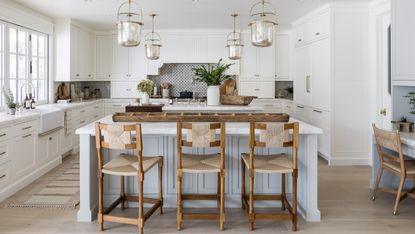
point(349, 162)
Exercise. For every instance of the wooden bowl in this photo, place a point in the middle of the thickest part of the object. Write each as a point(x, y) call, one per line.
point(236, 100)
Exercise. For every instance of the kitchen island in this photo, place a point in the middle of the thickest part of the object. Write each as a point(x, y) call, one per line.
point(160, 139)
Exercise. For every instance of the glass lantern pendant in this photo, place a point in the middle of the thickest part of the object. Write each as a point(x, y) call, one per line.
point(129, 24)
point(234, 42)
point(262, 22)
point(153, 43)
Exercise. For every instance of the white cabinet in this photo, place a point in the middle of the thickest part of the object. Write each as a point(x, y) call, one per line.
point(103, 56)
point(127, 63)
point(257, 62)
point(74, 45)
point(269, 105)
point(48, 147)
point(260, 89)
point(302, 83)
point(125, 89)
point(303, 113)
point(321, 75)
point(24, 151)
point(313, 29)
point(403, 37)
point(283, 57)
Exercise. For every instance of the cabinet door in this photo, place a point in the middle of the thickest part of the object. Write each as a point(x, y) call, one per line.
point(249, 61)
point(403, 37)
point(283, 57)
point(83, 50)
point(303, 113)
point(258, 89)
point(266, 89)
point(137, 63)
point(266, 62)
point(89, 50)
point(74, 66)
point(103, 56)
point(302, 84)
point(120, 60)
point(321, 75)
point(24, 150)
point(121, 89)
point(299, 35)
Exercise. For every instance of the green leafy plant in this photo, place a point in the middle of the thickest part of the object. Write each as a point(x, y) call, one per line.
point(212, 74)
point(9, 98)
point(146, 86)
point(411, 96)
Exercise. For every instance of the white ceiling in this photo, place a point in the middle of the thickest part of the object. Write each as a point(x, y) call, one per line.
point(172, 14)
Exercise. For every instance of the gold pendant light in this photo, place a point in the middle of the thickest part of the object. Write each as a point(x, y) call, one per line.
point(129, 24)
point(234, 42)
point(263, 19)
point(153, 42)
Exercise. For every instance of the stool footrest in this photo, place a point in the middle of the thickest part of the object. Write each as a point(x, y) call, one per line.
point(273, 216)
point(200, 197)
point(212, 216)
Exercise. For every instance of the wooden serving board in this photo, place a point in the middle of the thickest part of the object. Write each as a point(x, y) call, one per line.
point(199, 117)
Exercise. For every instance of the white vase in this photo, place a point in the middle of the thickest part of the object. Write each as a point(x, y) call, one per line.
point(213, 95)
point(145, 98)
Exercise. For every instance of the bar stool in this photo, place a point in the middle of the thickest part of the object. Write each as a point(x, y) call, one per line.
point(272, 135)
point(201, 135)
point(121, 137)
point(394, 162)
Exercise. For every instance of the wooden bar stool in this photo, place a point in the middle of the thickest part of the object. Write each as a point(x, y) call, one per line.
point(121, 137)
point(201, 135)
point(272, 135)
point(394, 162)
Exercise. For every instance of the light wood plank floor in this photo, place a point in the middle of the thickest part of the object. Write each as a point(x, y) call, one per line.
point(344, 201)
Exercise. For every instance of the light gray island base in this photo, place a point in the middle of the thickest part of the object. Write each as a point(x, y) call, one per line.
point(159, 139)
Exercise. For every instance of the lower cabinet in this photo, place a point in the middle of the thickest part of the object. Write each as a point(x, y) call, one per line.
point(4, 175)
point(260, 89)
point(321, 119)
point(48, 146)
point(24, 154)
point(303, 113)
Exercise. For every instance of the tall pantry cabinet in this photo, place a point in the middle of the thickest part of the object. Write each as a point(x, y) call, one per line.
point(330, 79)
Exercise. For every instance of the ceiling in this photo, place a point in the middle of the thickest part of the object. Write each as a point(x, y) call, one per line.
point(172, 14)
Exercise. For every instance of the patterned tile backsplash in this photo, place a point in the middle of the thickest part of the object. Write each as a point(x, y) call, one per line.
point(180, 76)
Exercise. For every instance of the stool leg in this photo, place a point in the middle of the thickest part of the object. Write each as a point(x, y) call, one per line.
point(122, 192)
point(161, 186)
point(218, 193)
point(243, 189)
point(294, 207)
point(222, 201)
point(179, 201)
point(398, 195)
point(141, 203)
point(100, 202)
point(251, 201)
point(283, 196)
point(379, 176)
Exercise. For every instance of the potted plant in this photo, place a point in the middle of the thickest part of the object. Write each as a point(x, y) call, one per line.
point(9, 99)
point(146, 87)
point(212, 75)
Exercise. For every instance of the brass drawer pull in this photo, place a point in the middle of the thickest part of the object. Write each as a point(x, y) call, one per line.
point(2, 176)
point(317, 111)
point(82, 111)
point(3, 153)
point(27, 128)
point(2, 135)
point(301, 107)
point(26, 136)
point(81, 122)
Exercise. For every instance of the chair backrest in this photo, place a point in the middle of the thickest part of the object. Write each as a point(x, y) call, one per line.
point(274, 135)
point(119, 137)
point(200, 134)
point(389, 140)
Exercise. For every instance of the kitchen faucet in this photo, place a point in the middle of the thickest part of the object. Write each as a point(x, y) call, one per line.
point(26, 84)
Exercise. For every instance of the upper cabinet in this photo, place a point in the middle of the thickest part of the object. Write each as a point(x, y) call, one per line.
point(283, 56)
point(127, 62)
point(403, 37)
point(74, 52)
point(312, 30)
point(256, 62)
point(103, 57)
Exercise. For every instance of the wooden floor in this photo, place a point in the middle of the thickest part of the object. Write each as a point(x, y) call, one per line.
point(344, 201)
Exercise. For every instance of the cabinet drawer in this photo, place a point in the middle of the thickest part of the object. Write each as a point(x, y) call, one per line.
point(303, 113)
point(26, 128)
point(4, 175)
point(81, 122)
point(115, 105)
point(321, 119)
point(5, 134)
point(4, 153)
point(95, 116)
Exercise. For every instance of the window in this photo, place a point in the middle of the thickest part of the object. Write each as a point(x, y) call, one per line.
point(24, 59)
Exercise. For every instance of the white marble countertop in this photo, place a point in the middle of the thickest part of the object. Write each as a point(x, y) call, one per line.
point(20, 117)
point(204, 107)
point(170, 128)
point(69, 106)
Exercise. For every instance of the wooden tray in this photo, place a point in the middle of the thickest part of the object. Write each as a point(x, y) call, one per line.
point(199, 117)
point(236, 100)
